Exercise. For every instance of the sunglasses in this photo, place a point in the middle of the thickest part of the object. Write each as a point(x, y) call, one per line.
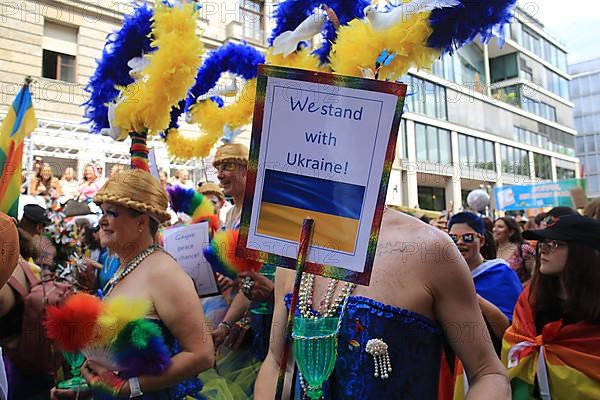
point(466, 237)
point(550, 245)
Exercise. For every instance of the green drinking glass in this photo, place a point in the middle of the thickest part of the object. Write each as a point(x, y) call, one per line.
point(77, 383)
point(263, 306)
point(315, 350)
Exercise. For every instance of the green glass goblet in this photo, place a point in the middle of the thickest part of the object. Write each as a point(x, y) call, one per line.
point(75, 361)
point(315, 350)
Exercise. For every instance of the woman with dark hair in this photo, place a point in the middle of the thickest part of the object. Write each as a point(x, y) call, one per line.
point(556, 325)
point(512, 248)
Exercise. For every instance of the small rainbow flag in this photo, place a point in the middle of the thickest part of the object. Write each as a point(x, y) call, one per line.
point(16, 126)
point(289, 198)
point(564, 358)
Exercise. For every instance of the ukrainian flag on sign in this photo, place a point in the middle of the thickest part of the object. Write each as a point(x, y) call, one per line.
point(289, 198)
point(17, 125)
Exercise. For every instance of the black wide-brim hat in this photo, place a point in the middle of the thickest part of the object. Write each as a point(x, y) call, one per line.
point(36, 214)
point(569, 228)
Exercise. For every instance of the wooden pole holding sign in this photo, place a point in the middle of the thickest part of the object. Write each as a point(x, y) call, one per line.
point(305, 238)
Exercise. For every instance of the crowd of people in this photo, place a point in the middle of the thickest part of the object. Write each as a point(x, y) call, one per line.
point(530, 286)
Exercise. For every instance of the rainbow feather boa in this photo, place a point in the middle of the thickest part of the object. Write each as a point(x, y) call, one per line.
point(115, 333)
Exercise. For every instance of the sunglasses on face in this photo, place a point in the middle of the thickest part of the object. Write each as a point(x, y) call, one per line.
point(550, 245)
point(466, 237)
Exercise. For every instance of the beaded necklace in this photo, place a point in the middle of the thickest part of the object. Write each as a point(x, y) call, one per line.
point(131, 265)
point(329, 306)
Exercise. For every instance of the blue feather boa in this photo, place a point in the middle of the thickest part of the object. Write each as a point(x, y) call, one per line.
point(454, 27)
point(132, 40)
point(290, 13)
point(240, 59)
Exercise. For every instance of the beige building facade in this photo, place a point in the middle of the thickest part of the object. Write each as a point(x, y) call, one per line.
point(487, 116)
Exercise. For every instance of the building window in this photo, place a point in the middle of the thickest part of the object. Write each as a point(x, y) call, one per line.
point(58, 66)
point(509, 94)
point(432, 198)
point(471, 67)
point(543, 166)
point(475, 152)
point(252, 16)
point(564, 173)
point(444, 67)
point(59, 52)
point(557, 84)
point(514, 161)
point(433, 144)
point(548, 111)
point(404, 136)
point(426, 98)
point(504, 67)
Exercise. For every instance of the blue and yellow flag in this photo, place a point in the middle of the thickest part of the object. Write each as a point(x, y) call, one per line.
point(289, 198)
point(18, 124)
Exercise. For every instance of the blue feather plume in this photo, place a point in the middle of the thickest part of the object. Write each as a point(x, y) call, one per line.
point(181, 198)
point(132, 40)
point(290, 13)
point(454, 27)
point(240, 59)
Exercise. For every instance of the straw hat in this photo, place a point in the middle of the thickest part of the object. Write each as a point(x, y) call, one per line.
point(138, 190)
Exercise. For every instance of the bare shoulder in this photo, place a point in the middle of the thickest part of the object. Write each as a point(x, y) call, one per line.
point(407, 245)
point(163, 267)
point(401, 229)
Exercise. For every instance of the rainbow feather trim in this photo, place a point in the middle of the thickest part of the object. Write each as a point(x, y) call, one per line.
point(194, 204)
point(221, 255)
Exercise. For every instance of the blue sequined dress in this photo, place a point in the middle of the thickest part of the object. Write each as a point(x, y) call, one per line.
point(414, 345)
point(190, 387)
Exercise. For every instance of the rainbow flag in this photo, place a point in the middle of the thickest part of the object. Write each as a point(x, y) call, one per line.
point(289, 198)
point(565, 358)
point(16, 126)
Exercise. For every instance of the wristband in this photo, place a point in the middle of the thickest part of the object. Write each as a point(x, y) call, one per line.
point(107, 382)
point(134, 388)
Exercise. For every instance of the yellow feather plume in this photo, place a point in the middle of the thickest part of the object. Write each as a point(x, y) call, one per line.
point(300, 59)
point(171, 72)
point(358, 46)
point(211, 119)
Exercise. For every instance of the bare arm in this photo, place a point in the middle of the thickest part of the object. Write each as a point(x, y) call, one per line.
point(497, 320)
point(236, 311)
point(456, 308)
point(179, 308)
point(267, 377)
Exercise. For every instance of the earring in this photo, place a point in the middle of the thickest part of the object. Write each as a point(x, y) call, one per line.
point(379, 350)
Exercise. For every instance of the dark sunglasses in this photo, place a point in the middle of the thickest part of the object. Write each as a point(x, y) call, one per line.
point(466, 237)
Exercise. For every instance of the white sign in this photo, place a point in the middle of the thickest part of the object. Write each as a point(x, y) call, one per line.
point(185, 243)
point(321, 153)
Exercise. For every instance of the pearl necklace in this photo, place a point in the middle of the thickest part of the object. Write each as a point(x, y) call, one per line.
point(329, 306)
point(131, 265)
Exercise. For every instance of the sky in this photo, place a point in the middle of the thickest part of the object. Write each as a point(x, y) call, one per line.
point(576, 23)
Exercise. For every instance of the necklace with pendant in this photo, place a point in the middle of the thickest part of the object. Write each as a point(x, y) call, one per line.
point(131, 265)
